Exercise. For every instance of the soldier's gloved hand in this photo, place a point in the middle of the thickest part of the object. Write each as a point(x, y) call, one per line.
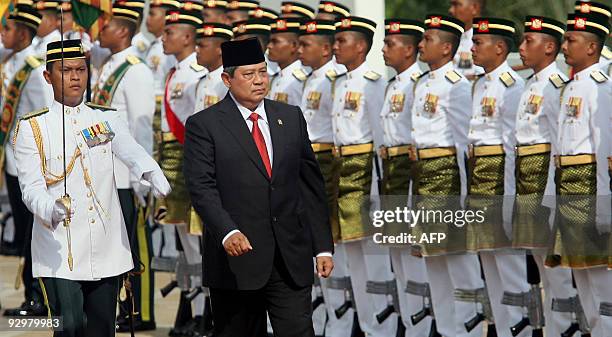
point(60, 213)
point(161, 187)
point(141, 192)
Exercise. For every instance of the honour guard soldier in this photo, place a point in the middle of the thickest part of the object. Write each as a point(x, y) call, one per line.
point(440, 120)
point(330, 10)
point(25, 90)
point(124, 83)
point(536, 131)
point(358, 97)
point(179, 40)
point(315, 51)
point(80, 245)
point(238, 10)
point(581, 166)
point(210, 88)
point(287, 84)
point(214, 12)
point(291, 9)
point(495, 99)
point(70, 29)
point(466, 11)
point(402, 37)
point(48, 28)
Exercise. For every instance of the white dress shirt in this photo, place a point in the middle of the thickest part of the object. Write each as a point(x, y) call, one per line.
point(317, 103)
point(134, 100)
point(40, 43)
point(36, 94)
point(395, 113)
point(463, 58)
point(264, 127)
point(286, 86)
point(100, 244)
point(356, 108)
point(538, 114)
point(210, 90)
point(181, 91)
point(493, 120)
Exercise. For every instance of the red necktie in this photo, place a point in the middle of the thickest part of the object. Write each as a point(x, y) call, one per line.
point(174, 123)
point(260, 143)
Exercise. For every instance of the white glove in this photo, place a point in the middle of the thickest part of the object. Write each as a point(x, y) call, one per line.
point(158, 181)
point(141, 192)
point(60, 213)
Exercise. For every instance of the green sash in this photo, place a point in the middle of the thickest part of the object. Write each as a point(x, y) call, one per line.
point(105, 96)
point(13, 94)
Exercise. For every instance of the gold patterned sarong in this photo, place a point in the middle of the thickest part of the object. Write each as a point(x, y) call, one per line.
point(436, 187)
point(157, 127)
point(485, 180)
point(395, 189)
point(354, 184)
point(176, 204)
point(530, 227)
point(329, 166)
point(578, 242)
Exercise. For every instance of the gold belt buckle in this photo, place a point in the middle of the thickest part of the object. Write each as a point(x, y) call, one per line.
point(413, 153)
point(382, 152)
point(336, 151)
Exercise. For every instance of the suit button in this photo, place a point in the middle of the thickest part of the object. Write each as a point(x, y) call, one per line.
point(274, 219)
point(272, 188)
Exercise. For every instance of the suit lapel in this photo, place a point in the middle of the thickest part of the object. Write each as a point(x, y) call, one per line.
point(236, 125)
point(277, 133)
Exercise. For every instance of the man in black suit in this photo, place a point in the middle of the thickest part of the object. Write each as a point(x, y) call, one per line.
point(255, 183)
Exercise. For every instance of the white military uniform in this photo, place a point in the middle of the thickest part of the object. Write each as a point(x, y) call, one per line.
point(135, 103)
point(80, 35)
point(160, 63)
point(36, 94)
point(99, 240)
point(447, 127)
point(40, 43)
point(210, 90)
point(587, 130)
point(286, 85)
point(397, 129)
point(316, 105)
point(182, 89)
point(537, 124)
point(358, 97)
point(494, 108)
point(463, 58)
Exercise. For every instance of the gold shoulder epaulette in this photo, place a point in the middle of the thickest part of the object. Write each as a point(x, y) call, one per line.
point(507, 79)
point(598, 76)
point(372, 75)
point(556, 80)
point(141, 46)
point(132, 59)
point(331, 74)
point(197, 67)
point(415, 76)
point(453, 76)
point(33, 61)
point(35, 114)
point(607, 53)
point(300, 74)
point(100, 107)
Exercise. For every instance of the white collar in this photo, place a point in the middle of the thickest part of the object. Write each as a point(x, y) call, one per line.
point(289, 69)
point(187, 61)
point(407, 74)
point(323, 70)
point(441, 72)
point(57, 106)
point(545, 73)
point(585, 73)
point(121, 56)
point(246, 113)
point(497, 71)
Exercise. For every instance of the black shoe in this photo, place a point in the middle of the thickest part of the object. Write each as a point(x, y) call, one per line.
point(139, 325)
point(27, 310)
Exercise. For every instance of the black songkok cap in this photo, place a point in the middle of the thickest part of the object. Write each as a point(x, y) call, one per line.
point(241, 53)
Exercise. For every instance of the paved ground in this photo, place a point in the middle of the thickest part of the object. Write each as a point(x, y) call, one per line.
point(165, 308)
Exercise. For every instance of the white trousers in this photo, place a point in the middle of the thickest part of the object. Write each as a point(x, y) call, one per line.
point(594, 286)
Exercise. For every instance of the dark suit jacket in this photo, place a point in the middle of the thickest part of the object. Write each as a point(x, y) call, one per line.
point(230, 189)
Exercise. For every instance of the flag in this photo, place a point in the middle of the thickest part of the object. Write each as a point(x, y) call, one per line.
point(91, 14)
point(6, 6)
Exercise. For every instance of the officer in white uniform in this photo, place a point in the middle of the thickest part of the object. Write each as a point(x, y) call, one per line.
point(286, 85)
point(400, 53)
point(210, 88)
point(23, 90)
point(440, 121)
point(536, 131)
point(358, 97)
point(583, 147)
point(495, 99)
point(78, 263)
point(48, 29)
